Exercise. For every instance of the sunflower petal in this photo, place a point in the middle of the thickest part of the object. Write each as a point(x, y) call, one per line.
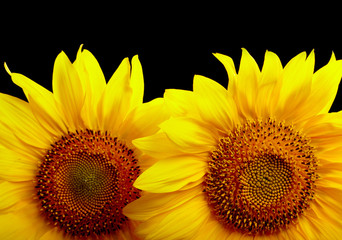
point(180, 102)
point(325, 131)
point(42, 103)
point(13, 193)
point(214, 104)
point(325, 84)
point(15, 167)
point(152, 204)
point(157, 146)
point(144, 120)
point(191, 135)
point(269, 86)
point(242, 86)
point(94, 83)
point(9, 230)
point(54, 233)
point(228, 63)
point(24, 224)
point(15, 112)
point(171, 225)
point(68, 90)
point(137, 83)
point(296, 87)
point(10, 141)
point(247, 84)
point(328, 210)
point(90, 73)
point(212, 230)
point(115, 101)
point(307, 228)
point(169, 175)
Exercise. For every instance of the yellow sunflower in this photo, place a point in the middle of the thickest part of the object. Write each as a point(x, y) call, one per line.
point(67, 163)
point(259, 160)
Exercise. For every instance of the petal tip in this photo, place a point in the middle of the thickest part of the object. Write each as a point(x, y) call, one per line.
point(80, 50)
point(137, 184)
point(333, 57)
point(62, 57)
point(7, 69)
point(136, 61)
point(245, 52)
point(135, 57)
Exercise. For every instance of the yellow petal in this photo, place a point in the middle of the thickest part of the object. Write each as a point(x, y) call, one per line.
point(326, 216)
point(94, 83)
point(90, 73)
point(24, 224)
point(325, 131)
point(169, 175)
point(180, 102)
point(214, 104)
point(16, 115)
point(68, 91)
point(191, 135)
point(247, 85)
point(151, 204)
point(271, 70)
point(144, 120)
point(13, 227)
point(157, 146)
point(296, 87)
point(308, 229)
point(269, 86)
point(230, 68)
point(115, 101)
point(10, 141)
point(137, 83)
point(212, 230)
point(330, 157)
point(10, 133)
point(15, 167)
point(13, 193)
point(331, 186)
point(242, 86)
point(325, 84)
point(42, 103)
point(54, 233)
point(180, 223)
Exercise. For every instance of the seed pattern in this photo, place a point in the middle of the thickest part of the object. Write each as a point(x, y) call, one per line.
point(261, 177)
point(84, 181)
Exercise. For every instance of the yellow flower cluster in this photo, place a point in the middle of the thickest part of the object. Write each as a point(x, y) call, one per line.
point(260, 159)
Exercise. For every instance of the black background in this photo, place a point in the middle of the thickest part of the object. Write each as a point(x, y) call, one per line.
point(170, 54)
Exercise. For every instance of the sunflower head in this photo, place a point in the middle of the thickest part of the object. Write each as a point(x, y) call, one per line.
point(258, 160)
point(261, 177)
point(85, 180)
point(67, 163)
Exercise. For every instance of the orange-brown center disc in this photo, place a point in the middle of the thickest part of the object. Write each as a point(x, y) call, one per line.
point(261, 177)
point(84, 181)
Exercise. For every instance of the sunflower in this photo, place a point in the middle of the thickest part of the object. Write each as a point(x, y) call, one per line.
point(67, 163)
point(258, 160)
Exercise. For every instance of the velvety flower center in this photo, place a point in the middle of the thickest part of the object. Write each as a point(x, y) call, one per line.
point(84, 181)
point(261, 177)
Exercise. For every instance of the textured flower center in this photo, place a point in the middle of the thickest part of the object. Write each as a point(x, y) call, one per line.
point(261, 177)
point(84, 181)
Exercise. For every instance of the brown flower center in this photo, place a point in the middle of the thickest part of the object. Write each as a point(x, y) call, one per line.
point(84, 181)
point(261, 177)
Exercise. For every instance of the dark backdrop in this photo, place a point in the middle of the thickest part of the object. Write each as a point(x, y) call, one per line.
point(170, 57)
